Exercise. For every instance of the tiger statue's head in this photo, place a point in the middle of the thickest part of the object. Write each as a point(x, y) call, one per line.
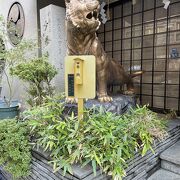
point(83, 14)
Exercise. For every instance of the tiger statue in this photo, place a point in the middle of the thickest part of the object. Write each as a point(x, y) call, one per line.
point(82, 23)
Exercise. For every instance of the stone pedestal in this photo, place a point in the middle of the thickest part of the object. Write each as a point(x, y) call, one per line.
point(121, 104)
point(53, 40)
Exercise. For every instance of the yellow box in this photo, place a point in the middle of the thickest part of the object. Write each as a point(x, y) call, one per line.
point(80, 76)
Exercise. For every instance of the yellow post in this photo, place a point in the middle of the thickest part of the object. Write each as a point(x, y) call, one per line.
point(80, 108)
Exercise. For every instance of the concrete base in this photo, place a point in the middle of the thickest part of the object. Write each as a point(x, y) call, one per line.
point(171, 158)
point(164, 175)
point(172, 154)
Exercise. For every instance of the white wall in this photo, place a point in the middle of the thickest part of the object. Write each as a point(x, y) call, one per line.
point(31, 29)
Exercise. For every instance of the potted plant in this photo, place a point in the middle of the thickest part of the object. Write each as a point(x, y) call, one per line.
point(8, 108)
point(9, 58)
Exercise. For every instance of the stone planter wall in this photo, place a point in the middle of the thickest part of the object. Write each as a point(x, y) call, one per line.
point(139, 168)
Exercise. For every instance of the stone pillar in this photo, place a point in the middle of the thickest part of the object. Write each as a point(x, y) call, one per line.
point(52, 20)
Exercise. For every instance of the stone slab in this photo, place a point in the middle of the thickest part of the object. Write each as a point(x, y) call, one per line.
point(173, 123)
point(175, 168)
point(172, 154)
point(164, 175)
point(121, 104)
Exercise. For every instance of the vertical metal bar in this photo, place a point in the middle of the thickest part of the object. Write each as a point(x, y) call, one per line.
point(179, 93)
point(166, 62)
point(104, 36)
point(142, 44)
point(154, 35)
point(122, 28)
point(131, 36)
point(112, 32)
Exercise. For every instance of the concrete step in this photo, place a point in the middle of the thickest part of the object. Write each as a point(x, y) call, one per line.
point(170, 158)
point(162, 174)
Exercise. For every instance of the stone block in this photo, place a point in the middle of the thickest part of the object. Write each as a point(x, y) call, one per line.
point(164, 175)
point(175, 168)
point(172, 154)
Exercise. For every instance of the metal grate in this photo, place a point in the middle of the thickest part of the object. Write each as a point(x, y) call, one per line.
point(145, 36)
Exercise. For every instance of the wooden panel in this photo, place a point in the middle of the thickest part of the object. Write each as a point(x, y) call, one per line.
point(158, 90)
point(174, 24)
point(172, 103)
point(137, 18)
point(137, 31)
point(159, 77)
point(148, 28)
point(146, 89)
point(117, 45)
point(148, 15)
point(174, 9)
point(108, 46)
point(117, 34)
point(117, 11)
point(126, 55)
point(126, 65)
point(136, 42)
point(158, 102)
point(136, 54)
point(127, 32)
point(127, 21)
point(147, 53)
point(117, 55)
point(147, 65)
point(148, 4)
point(160, 52)
point(174, 65)
point(126, 43)
point(146, 100)
point(161, 13)
point(127, 8)
point(137, 7)
point(160, 39)
point(108, 26)
point(108, 36)
point(159, 64)
point(173, 77)
point(172, 91)
point(148, 41)
point(147, 77)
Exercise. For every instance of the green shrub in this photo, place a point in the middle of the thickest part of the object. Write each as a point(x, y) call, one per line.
point(15, 153)
point(102, 139)
point(38, 73)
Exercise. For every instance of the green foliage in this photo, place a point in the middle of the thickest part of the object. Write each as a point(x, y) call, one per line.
point(38, 72)
point(23, 62)
point(14, 147)
point(102, 139)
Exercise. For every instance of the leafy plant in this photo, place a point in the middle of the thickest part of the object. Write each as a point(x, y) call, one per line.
point(14, 147)
point(23, 62)
point(9, 57)
point(38, 72)
point(101, 139)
